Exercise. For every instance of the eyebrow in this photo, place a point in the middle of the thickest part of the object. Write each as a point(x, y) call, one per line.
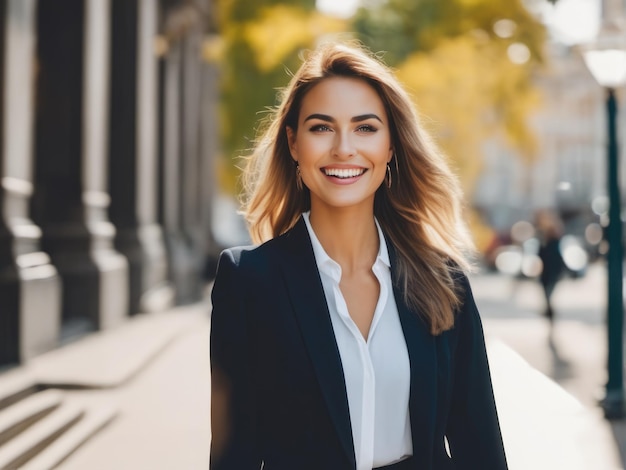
point(327, 118)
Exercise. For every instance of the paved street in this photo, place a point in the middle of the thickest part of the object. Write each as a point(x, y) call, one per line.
point(574, 352)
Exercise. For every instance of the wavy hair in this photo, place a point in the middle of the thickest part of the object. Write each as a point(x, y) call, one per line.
point(420, 214)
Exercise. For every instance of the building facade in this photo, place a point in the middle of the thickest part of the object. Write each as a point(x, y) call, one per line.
point(107, 139)
point(569, 171)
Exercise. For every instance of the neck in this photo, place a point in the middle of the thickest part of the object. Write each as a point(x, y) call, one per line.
point(349, 236)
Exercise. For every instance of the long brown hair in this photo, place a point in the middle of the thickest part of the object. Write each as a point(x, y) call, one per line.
point(420, 213)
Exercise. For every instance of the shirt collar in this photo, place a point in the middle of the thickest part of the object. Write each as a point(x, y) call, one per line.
point(328, 265)
point(383, 252)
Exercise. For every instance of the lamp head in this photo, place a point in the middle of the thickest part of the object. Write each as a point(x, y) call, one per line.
point(606, 56)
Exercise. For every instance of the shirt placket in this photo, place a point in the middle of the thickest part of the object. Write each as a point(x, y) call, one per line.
point(368, 408)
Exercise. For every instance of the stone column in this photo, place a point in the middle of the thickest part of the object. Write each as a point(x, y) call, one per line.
point(71, 198)
point(209, 152)
point(191, 201)
point(171, 128)
point(180, 258)
point(180, 208)
point(132, 153)
point(30, 291)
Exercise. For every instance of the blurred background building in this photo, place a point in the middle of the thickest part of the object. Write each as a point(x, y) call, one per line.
point(108, 135)
point(569, 169)
point(568, 172)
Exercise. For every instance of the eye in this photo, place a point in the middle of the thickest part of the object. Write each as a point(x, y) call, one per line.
point(366, 128)
point(320, 128)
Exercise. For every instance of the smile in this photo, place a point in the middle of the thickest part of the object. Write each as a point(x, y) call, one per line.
point(343, 173)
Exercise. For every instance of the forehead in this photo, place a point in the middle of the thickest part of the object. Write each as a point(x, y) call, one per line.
point(342, 96)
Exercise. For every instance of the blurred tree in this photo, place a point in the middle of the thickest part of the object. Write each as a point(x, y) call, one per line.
point(467, 93)
point(402, 27)
point(261, 43)
point(239, 11)
point(468, 64)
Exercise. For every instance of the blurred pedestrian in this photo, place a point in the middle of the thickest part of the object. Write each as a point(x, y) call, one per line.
point(349, 339)
point(549, 231)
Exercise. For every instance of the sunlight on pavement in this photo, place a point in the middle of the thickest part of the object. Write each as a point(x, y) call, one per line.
point(543, 426)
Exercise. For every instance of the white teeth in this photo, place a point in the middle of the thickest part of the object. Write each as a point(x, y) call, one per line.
point(344, 172)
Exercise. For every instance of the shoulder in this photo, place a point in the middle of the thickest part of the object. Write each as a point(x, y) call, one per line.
point(244, 270)
point(249, 256)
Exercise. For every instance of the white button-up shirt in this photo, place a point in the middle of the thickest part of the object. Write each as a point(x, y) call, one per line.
point(377, 370)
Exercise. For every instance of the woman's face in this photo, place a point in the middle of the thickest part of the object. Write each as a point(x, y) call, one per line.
point(342, 144)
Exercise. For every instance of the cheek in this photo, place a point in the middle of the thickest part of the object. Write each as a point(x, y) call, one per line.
point(310, 150)
point(384, 151)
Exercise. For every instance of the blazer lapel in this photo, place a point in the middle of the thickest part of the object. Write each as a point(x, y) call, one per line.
point(421, 346)
point(309, 303)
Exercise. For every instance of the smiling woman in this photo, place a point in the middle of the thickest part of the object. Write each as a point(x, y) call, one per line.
point(349, 339)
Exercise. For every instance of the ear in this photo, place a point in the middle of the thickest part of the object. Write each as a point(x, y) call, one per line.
point(390, 155)
point(291, 140)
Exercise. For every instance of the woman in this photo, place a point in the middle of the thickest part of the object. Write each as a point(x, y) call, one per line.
point(549, 231)
point(350, 338)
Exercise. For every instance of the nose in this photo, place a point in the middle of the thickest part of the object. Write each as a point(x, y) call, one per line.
point(344, 146)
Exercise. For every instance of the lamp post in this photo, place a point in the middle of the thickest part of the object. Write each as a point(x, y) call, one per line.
point(606, 60)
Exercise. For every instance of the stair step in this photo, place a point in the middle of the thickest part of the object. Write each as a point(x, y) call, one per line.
point(36, 438)
point(93, 421)
point(19, 416)
point(15, 387)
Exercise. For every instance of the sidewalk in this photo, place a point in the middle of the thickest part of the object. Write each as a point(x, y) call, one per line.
point(154, 371)
point(571, 356)
point(543, 426)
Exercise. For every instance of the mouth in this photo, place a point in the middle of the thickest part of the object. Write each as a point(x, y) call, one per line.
point(344, 173)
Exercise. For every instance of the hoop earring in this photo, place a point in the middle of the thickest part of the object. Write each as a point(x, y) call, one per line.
point(298, 178)
point(388, 177)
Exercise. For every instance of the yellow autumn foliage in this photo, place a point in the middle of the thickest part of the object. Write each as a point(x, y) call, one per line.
point(467, 94)
point(283, 28)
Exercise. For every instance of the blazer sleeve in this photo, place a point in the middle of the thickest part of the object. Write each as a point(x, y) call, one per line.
point(473, 430)
point(234, 444)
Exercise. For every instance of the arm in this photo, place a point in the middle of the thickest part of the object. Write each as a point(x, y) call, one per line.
point(233, 424)
point(473, 430)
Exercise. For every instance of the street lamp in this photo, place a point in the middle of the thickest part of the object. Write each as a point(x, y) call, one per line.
point(606, 60)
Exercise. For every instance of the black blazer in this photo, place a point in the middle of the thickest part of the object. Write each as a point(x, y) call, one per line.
point(273, 342)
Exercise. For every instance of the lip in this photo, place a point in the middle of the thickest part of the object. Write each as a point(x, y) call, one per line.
point(345, 180)
point(344, 167)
